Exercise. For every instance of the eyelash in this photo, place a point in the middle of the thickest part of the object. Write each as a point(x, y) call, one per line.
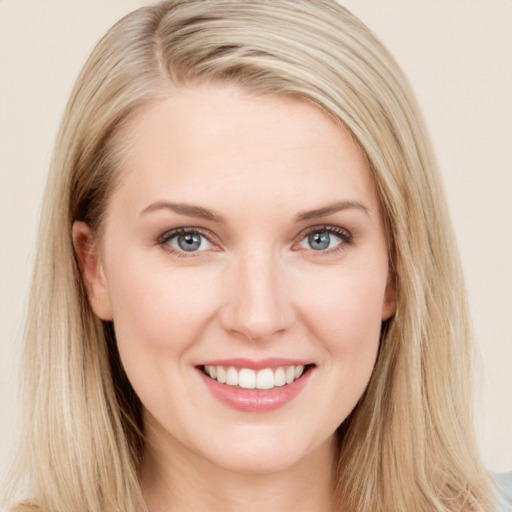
point(344, 235)
point(164, 238)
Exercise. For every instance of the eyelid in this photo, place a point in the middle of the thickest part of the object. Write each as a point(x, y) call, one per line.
point(343, 234)
point(325, 227)
point(164, 238)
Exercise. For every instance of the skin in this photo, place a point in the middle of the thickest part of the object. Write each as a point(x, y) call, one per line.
point(255, 289)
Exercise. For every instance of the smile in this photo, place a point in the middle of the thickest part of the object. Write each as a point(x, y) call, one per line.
point(255, 386)
point(247, 378)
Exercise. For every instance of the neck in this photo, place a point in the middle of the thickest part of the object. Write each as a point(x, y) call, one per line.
point(177, 480)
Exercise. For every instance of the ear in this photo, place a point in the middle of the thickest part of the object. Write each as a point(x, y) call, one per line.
point(389, 304)
point(88, 255)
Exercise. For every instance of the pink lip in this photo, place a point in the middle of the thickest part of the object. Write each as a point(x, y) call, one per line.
point(271, 362)
point(254, 400)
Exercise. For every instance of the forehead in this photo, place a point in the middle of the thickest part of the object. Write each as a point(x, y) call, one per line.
point(211, 141)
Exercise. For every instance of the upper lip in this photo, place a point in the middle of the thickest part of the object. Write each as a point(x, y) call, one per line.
point(270, 362)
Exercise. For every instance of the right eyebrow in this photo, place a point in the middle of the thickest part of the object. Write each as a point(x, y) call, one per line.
point(187, 209)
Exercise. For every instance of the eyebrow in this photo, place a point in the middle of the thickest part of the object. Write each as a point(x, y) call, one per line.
point(184, 209)
point(202, 213)
point(330, 209)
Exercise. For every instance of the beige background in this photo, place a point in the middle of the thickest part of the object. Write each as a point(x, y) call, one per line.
point(458, 56)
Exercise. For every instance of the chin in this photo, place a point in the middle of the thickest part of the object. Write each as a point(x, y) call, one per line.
point(264, 456)
point(248, 462)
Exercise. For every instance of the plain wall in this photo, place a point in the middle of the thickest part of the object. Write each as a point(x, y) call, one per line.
point(456, 53)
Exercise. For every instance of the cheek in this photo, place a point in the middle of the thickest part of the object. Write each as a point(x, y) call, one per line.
point(344, 312)
point(345, 318)
point(158, 316)
point(162, 310)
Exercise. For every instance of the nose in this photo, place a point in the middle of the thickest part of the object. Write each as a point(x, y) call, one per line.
point(258, 305)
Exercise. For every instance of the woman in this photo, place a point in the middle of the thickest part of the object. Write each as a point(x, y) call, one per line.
point(247, 293)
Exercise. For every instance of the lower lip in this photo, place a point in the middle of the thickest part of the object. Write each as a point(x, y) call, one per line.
point(255, 400)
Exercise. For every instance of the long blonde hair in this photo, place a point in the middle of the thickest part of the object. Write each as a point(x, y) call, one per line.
point(409, 444)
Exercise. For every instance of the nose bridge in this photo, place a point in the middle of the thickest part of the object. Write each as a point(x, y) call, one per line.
point(258, 305)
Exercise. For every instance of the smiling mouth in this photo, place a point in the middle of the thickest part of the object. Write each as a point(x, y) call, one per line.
point(264, 379)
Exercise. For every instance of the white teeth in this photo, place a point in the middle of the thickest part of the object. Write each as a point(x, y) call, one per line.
point(289, 374)
point(247, 378)
point(279, 378)
point(221, 374)
point(212, 371)
point(232, 377)
point(265, 379)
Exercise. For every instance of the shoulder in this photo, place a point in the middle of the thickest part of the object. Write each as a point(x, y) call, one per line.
point(504, 485)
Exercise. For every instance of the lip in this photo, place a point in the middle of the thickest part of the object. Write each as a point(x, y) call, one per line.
point(255, 400)
point(270, 362)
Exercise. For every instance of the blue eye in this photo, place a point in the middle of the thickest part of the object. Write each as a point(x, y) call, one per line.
point(322, 239)
point(319, 241)
point(182, 240)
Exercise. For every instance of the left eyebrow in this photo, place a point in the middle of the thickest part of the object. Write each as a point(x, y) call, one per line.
point(330, 209)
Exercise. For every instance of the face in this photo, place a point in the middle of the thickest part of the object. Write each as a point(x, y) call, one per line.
point(244, 265)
